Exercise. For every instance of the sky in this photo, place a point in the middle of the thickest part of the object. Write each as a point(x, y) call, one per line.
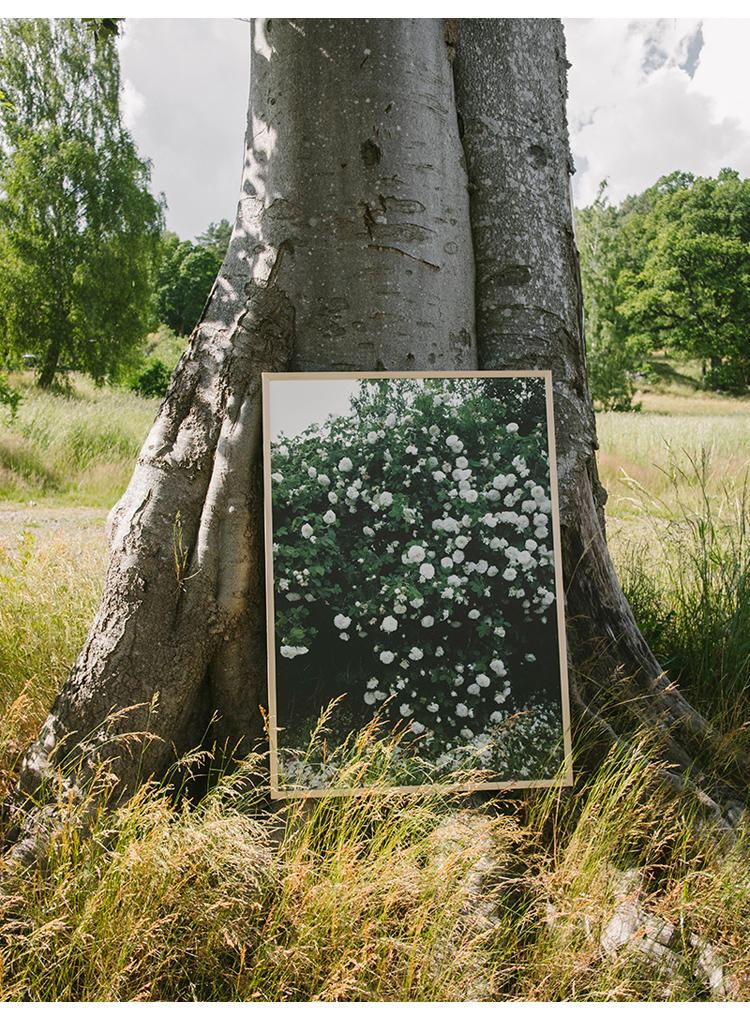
point(646, 97)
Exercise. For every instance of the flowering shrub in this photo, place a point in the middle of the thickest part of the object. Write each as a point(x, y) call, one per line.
point(413, 569)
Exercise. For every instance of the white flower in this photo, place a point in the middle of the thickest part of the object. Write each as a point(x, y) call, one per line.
point(417, 727)
point(473, 689)
point(462, 541)
point(451, 440)
point(345, 464)
point(458, 556)
point(372, 437)
point(416, 603)
point(385, 498)
point(277, 477)
point(390, 420)
point(369, 698)
point(341, 621)
point(290, 651)
point(312, 472)
point(406, 710)
point(446, 562)
point(509, 574)
point(433, 707)
point(466, 733)
point(497, 666)
point(306, 531)
point(411, 449)
point(461, 710)
point(439, 476)
point(530, 657)
point(473, 614)
point(344, 636)
point(428, 621)
point(496, 718)
point(426, 571)
point(332, 497)
point(512, 427)
point(483, 680)
point(416, 654)
point(283, 451)
point(434, 431)
point(416, 554)
point(399, 609)
point(462, 462)
point(324, 480)
point(387, 657)
point(389, 624)
point(329, 517)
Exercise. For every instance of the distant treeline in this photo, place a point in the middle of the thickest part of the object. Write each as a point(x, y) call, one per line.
point(667, 270)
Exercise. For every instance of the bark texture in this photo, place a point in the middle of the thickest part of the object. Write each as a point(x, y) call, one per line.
point(351, 250)
point(511, 92)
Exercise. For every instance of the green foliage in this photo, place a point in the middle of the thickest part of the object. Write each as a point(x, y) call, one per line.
point(9, 398)
point(216, 237)
point(79, 230)
point(669, 269)
point(102, 28)
point(413, 565)
point(614, 359)
point(186, 275)
point(153, 381)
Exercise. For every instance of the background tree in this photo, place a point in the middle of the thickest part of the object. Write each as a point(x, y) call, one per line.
point(216, 237)
point(79, 229)
point(614, 357)
point(186, 275)
point(692, 293)
point(668, 269)
point(355, 248)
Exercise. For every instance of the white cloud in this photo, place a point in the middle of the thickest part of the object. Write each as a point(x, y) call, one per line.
point(194, 74)
point(635, 112)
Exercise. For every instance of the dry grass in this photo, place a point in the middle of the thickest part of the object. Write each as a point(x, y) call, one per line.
point(382, 897)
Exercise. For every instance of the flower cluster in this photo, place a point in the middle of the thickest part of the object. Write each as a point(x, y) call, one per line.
point(437, 561)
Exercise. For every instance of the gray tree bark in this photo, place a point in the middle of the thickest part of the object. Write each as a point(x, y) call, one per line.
point(511, 89)
point(361, 217)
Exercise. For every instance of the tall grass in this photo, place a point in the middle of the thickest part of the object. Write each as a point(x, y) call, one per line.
point(79, 444)
point(611, 890)
point(637, 447)
point(49, 589)
point(381, 897)
point(686, 573)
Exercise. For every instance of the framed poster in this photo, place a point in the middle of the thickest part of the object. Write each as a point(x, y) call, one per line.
point(413, 578)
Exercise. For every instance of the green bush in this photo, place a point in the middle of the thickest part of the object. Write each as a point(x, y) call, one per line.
point(152, 381)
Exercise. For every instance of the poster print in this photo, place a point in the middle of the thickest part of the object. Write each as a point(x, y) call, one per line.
point(413, 574)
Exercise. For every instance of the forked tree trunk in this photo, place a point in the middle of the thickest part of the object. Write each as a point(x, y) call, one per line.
point(354, 249)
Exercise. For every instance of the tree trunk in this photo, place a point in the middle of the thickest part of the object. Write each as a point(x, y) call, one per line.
point(511, 88)
point(354, 249)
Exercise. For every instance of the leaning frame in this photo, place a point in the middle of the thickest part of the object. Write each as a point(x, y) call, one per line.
point(414, 585)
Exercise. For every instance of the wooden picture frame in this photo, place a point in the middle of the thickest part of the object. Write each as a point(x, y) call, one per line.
point(413, 577)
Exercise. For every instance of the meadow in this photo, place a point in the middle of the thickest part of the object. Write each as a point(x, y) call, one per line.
point(613, 890)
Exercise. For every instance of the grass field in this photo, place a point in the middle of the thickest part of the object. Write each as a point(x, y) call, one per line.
point(611, 891)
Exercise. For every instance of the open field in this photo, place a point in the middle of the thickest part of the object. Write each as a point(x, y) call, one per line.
point(612, 891)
